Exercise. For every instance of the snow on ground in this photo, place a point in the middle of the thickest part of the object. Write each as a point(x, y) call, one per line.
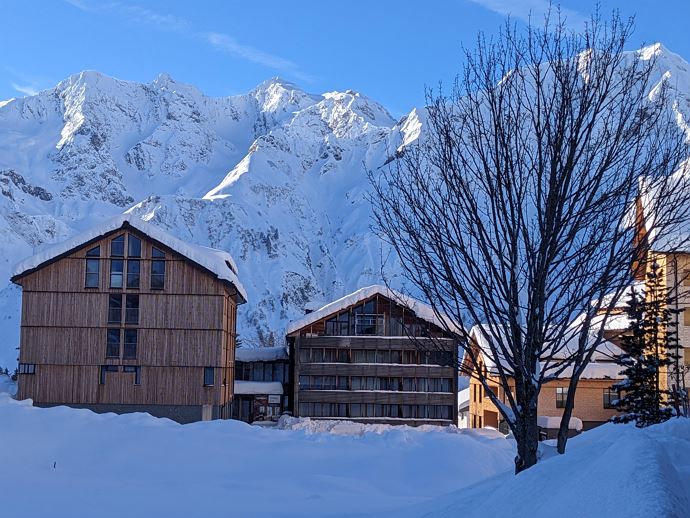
point(67, 462)
point(613, 470)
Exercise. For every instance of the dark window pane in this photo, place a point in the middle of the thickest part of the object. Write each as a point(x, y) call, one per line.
point(133, 246)
point(117, 246)
point(115, 309)
point(157, 274)
point(130, 349)
point(133, 268)
point(93, 268)
point(113, 344)
point(157, 254)
point(343, 356)
point(208, 376)
point(304, 356)
point(116, 268)
point(94, 252)
point(132, 309)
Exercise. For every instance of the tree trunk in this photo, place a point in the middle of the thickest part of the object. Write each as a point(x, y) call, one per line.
point(567, 414)
point(527, 437)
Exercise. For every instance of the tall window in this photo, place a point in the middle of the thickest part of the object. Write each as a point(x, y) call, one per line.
point(208, 376)
point(133, 246)
point(561, 396)
point(93, 267)
point(117, 246)
point(133, 269)
point(130, 344)
point(116, 271)
point(115, 309)
point(112, 349)
point(132, 309)
point(157, 269)
point(610, 396)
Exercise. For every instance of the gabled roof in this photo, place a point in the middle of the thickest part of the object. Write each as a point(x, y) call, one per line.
point(219, 263)
point(422, 310)
point(601, 366)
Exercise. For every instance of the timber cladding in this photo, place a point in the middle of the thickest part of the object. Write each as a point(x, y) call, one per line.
point(346, 400)
point(180, 331)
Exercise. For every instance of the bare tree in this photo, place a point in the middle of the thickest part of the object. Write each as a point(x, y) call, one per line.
point(515, 210)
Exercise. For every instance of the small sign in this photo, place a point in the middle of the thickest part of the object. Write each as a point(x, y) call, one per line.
point(273, 400)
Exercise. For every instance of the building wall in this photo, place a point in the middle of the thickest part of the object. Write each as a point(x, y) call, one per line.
point(348, 397)
point(589, 402)
point(187, 326)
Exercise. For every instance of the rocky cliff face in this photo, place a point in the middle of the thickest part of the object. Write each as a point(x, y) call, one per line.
point(277, 177)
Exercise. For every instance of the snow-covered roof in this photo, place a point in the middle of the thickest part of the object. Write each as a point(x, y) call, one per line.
point(218, 262)
point(258, 387)
point(601, 366)
point(422, 310)
point(464, 399)
point(261, 354)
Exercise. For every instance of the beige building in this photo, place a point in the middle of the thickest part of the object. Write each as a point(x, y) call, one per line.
point(593, 399)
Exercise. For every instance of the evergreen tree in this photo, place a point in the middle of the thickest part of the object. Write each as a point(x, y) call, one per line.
point(649, 349)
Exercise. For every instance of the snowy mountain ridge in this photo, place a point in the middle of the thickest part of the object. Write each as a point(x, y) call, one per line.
point(277, 177)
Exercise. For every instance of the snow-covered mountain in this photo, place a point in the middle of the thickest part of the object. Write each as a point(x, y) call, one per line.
point(277, 177)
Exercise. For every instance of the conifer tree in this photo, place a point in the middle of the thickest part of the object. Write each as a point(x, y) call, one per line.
point(649, 350)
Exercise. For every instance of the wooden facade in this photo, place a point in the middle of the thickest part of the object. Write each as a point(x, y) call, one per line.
point(375, 361)
point(166, 346)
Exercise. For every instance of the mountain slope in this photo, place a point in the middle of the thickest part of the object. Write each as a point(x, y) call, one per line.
point(277, 177)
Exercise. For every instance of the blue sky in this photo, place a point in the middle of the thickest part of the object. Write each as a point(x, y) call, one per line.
point(388, 50)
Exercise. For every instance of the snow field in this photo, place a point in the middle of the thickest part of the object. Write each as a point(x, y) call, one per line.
point(136, 465)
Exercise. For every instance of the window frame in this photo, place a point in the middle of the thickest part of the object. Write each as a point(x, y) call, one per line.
point(27, 368)
point(92, 256)
point(117, 274)
point(561, 397)
point(612, 395)
point(208, 370)
point(109, 343)
point(157, 258)
point(128, 345)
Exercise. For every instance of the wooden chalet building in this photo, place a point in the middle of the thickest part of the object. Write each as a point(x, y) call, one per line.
point(127, 318)
point(374, 356)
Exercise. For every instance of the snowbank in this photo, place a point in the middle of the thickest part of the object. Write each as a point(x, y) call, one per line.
point(613, 470)
point(347, 427)
point(66, 462)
